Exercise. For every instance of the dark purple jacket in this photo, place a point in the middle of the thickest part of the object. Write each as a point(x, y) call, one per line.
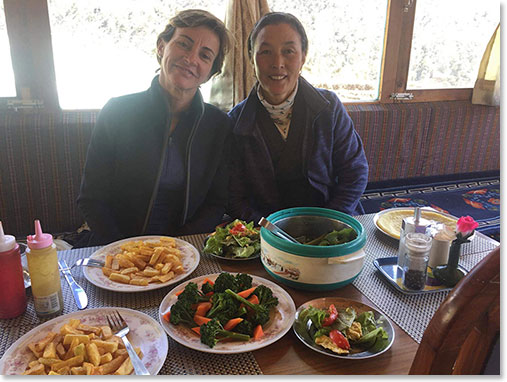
point(334, 160)
point(125, 159)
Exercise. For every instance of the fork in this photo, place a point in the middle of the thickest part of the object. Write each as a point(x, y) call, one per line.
point(121, 329)
point(86, 262)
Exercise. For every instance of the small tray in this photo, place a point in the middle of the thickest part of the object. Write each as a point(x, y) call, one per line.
point(388, 268)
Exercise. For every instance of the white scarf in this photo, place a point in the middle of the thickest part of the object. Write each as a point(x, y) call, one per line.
point(280, 114)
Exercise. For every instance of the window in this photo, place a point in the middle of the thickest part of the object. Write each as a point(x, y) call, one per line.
point(345, 44)
point(447, 46)
point(106, 48)
point(78, 54)
point(7, 89)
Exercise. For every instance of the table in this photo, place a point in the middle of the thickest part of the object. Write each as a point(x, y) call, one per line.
point(409, 314)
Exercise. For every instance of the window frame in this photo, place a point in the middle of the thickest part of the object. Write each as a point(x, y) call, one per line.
point(29, 36)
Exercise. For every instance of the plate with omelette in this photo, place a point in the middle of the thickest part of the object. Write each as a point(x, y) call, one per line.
point(389, 221)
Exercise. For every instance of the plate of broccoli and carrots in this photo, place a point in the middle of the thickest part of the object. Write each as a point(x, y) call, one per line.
point(227, 313)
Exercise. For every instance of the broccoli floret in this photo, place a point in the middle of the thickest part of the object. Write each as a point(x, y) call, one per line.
point(224, 307)
point(236, 283)
point(260, 312)
point(191, 294)
point(212, 331)
point(182, 313)
point(225, 281)
point(244, 327)
point(266, 297)
point(207, 288)
point(244, 281)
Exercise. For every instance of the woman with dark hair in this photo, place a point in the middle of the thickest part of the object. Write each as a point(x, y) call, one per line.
point(293, 144)
point(156, 163)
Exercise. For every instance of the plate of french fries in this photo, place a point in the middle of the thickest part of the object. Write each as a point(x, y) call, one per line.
point(143, 263)
point(82, 343)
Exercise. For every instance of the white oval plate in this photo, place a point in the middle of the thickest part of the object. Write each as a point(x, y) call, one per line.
point(145, 333)
point(397, 237)
point(278, 325)
point(190, 259)
point(343, 303)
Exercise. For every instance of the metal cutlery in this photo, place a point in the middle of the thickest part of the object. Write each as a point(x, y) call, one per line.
point(78, 292)
point(88, 262)
point(120, 328)
point(277, 231)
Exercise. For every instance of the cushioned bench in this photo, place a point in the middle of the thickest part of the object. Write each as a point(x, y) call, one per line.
point(42, 155)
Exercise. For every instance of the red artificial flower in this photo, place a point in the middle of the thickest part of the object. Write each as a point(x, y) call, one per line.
point(466, 225)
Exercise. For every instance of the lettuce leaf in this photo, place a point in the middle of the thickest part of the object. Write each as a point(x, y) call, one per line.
point(367, 321)
point(374, 341)
point(345, 319)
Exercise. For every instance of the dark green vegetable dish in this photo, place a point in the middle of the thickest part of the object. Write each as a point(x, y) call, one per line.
point(332, 238)
point(227, 308)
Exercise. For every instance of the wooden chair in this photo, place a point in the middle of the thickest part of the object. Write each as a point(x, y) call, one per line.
point(461, 334)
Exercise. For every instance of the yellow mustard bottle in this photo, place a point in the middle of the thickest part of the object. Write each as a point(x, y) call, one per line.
point(44, 273)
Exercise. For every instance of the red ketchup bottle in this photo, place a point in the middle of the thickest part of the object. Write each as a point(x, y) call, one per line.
point(12, 285)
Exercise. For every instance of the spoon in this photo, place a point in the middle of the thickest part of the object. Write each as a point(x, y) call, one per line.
point(277, 231)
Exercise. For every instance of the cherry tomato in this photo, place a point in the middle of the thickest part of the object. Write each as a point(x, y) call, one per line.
point(333, 314)
point(237, 229)
point(339, 339)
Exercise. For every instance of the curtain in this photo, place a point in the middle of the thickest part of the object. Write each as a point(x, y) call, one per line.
point(237, 78)
point(487, 86)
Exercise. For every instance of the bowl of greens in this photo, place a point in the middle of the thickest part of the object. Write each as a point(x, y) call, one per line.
point(329, 253)
point(238, 240)
point(343, 328)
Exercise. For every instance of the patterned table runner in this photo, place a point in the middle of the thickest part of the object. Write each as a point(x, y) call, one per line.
point(180, 360)
point(410, 312)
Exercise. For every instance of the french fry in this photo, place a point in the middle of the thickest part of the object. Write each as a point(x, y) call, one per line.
point(74, 361)
point(49, 351)
point(89, 329)
point(112, 366)
point(82, 338)
point(105, 358)
point(107, 271)
point(120, 278)
point(108, 346)
point(77, 370)
point(106, 332)
point(144, 260)
point(95, 353)
point(130, 270)
point(36, 370)
point(140, 281)
point(39, 346)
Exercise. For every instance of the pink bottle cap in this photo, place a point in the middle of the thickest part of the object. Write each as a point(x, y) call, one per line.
point(7, 242)
point(39, 240)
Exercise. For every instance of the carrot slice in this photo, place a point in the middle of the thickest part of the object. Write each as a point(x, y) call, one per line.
point(209, 294)
point(254, 299)
point(179, 292)
point(247, 292)
point(167, 316)
point(197, 329)
point(231, 324)
point(207, 280)
point(200, 320)
point(258, 333)
point(202, 308)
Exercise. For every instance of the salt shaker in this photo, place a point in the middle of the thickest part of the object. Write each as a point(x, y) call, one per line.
point(12, 285)
point(415, 264)
point(440, 246)
point(410, 224)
